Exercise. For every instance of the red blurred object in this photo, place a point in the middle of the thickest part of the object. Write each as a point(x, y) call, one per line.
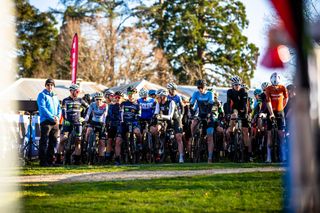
point(284, 10)
point(271, 59)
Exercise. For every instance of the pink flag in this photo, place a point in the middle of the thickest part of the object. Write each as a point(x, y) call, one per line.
point(74, 59)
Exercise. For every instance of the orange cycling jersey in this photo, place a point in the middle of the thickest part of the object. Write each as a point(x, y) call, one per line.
point(278, 96)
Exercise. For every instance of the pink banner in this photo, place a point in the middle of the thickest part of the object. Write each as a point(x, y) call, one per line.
point(74, 59)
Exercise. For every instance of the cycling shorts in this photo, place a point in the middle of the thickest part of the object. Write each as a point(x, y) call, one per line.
point(98, 127)
point(67, 129)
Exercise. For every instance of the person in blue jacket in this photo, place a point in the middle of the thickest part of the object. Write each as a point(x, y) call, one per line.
point(50, 112)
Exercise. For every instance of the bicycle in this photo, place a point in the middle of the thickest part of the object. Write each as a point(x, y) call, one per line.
point(261, 137)
point(148, 150)
point(236, 146)
point(275, 156)
point(92, 146)
point(69, 146)
point(198, 142)
point(130, 151)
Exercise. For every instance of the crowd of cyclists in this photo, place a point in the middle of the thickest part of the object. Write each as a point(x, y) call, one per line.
point(155, 126)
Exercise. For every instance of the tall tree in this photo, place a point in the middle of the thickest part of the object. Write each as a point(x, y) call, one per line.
point(36, 38)
point(202, 39)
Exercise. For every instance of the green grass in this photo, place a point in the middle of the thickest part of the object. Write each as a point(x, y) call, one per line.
point(36, 170)
point(250, 192)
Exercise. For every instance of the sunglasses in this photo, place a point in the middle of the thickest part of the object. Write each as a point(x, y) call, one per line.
point(76, 91)
point(236, 85)
point(99, 99)
point(200, 87)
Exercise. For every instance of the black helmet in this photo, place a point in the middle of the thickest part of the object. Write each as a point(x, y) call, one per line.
point(201, 83)
point(87, 98)
point(131, 89)
point(50, 81)
point(118, 93)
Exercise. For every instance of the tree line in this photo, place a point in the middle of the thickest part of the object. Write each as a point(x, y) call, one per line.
point(122, 41)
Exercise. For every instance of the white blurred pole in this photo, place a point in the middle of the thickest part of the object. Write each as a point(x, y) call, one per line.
point(9, 194)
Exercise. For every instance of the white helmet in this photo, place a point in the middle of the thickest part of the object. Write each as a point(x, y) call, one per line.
point(171, 85)
point(143, 93)
point(74, 87)
point(275, 79)
point(235, 80)
point(264, 85)
point(162, 92)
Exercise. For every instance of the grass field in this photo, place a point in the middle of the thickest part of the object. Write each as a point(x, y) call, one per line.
point(248, 192)
point(36, 170)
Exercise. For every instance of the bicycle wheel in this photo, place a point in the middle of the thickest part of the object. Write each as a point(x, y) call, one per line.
point(91, 150)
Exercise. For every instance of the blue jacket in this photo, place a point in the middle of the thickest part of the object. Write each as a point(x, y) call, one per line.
point(48, 105)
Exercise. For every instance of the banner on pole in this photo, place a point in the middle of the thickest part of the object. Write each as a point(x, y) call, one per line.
point(74, 58)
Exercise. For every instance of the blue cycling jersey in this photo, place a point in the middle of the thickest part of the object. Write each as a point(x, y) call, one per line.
point(178, 101)
point(147, 107)
point(99, 113)
point(203, 103)
point(130, 111)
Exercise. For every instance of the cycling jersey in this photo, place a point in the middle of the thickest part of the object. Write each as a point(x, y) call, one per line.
point(167, 110)
point(203, 103)
point(113, 113)
point(98, 113)
point(278, 96)
point(237, 100)
point(71, 109)
point(178, 101)
point(147, 108)
point(130, 111)
point(217, 110)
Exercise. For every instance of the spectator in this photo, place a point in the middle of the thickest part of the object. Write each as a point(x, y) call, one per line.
point(50, 111)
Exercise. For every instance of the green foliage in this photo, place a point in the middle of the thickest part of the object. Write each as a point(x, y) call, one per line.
point(202, 39)
point(251, 192)
point(36, 38)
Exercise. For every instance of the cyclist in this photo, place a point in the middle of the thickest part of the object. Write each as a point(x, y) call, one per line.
point(130, 113)
point(173, 96)
point(108, 95)
point(201, 105)
point(277, 97)
point(99, 111)
point(165, 112)
point(71, 113)
point(152, 93)
point(113, 121)
point(237, 99)
point(218, 116)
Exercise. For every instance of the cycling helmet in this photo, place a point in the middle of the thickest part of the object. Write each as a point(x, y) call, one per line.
point(257, 92)
point(143, 93)
point(98, 95)
point(152, 92)
point(87, 98)
point(74, 87)
point(172, 86)
point(264, 85)
point(50, 81)
point(235, 80)
point(118, 93)
point(201, 83)
point(162, 92)
point(131, 89)
point(108, 92)
point(275, 79)
point(244, 86)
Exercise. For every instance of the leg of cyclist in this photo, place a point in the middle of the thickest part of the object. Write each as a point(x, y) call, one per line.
point(77, 151)
point(117, 148)
point(102, 146)
point(269, 142)
point(178, 130)
point(210, 132)
point(281, 132)
point(137, 132)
